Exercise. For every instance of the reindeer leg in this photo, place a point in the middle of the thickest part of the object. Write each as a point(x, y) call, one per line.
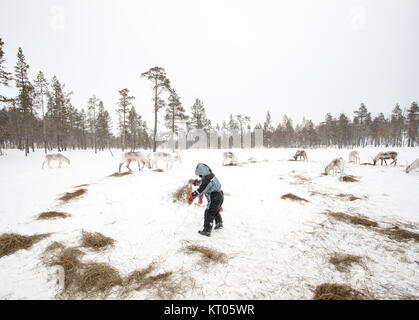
point(120, 165)
point(139, 165)
point(128, 166)
point(49, 165)
point(43, 164)
point(59, 163)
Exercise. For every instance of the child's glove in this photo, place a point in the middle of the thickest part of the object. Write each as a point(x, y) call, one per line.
point(192, 195)
point(194, 182)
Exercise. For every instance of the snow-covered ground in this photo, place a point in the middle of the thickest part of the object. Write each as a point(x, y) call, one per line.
point(277, 249)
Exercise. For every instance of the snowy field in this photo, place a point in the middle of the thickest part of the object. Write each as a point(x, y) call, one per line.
point(275, 248)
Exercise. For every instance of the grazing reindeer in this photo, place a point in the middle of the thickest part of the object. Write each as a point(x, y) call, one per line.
point(335, 165)
point(383, 156)
point(413, 166)
point(127, 157)
point(169, 158)
point(56, 156)
point(229, 156)
point(354, 157)
point(300, 154)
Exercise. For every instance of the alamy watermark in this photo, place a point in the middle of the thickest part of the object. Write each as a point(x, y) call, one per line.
point(212, 139)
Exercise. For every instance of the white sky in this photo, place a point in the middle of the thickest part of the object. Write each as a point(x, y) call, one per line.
point(302, 58)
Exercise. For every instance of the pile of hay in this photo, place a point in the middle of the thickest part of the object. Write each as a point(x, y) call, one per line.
point(333, 291)
point(349, 197)
point(96, 240)
point(52, 215)
point(81, 186)
point(400, 235)
point(118, 174)
point(348, 179)
point(208, 255)
point(12, 242)
point(158, 170)
point(80, 278)
point(293, 197)
point(72, 195)
point(340, 216)
point(343, 262)
point(182, 194)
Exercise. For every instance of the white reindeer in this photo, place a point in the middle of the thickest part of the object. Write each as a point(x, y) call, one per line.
point(55, 156)
point(336, 165)
point(229, 156)
point(413, 166)
point(138, 157)
point(354, 157)
point(383, 156)
point(300, 154)
point(169, 158)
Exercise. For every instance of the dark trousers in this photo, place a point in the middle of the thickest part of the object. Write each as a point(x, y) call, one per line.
point(213, 212)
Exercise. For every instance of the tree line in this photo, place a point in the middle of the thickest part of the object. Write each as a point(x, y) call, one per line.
point(42, 115)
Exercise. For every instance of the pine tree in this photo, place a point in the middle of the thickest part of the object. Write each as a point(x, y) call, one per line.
point(175, 113)
point(25, 95)
point(56, 112)
point(412, 124)
point(161, 83)
point(41, 92)
point(397, 125)
point(103, 127)
point(133, 124)
point(125, 101)
point(92, 107)
point(268, 130)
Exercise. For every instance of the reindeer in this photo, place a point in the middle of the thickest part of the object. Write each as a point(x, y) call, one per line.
point(383, 156)
point(55, 156)
point(229, 156)
point(354, 157)
point(413, 166)
point(300, 154)
point(169, 158)
point(335, 165)
point(127, 157)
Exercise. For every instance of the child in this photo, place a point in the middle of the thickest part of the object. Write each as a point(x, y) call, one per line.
point(211, 187)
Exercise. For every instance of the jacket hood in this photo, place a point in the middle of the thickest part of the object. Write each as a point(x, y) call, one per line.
point(202, 170)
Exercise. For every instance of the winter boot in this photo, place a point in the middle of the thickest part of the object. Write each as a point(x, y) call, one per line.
point(218, 225)
point(205, 233)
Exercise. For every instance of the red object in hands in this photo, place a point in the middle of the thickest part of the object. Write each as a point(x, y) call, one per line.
point(200, 199)
point(191, 197)
point(221, 209)
point(193, 181)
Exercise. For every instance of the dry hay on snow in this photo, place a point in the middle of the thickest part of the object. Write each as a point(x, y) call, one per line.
point(158, 170)
point(87, 279)
point(293, 197)
point(182, 194)
point(343, 262)
point(97, 278)
point(400, 235)
point(95, 240)
point(81, 185)
point(12, 242)
point(120, 174)
point(72, 195)
point(349, 197)
point(333, 291)
point(208, 255)
point(52, 215)
point(348, 179)
point(357, 220)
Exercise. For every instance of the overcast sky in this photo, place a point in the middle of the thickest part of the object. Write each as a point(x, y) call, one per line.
point(302, 58)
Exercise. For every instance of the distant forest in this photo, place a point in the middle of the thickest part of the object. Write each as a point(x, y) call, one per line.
point(43, 116)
